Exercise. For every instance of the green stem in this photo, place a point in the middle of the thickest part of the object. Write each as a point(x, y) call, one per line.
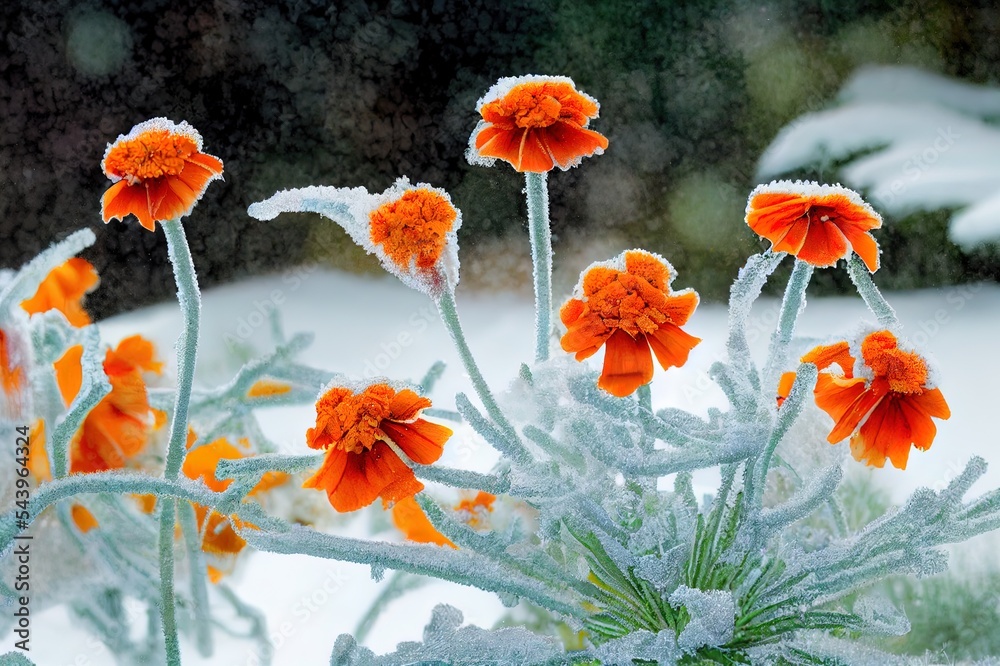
point(791, 305)
point(196, 567)
point(187, 344)
point(168, 512)
point(449, 315)
point(537, 191)
point(873, 298)
point(187, 355)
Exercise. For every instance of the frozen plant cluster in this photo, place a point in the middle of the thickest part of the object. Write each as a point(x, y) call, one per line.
point(588, 527)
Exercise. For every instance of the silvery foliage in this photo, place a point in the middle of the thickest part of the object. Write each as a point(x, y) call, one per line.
point(764, 571)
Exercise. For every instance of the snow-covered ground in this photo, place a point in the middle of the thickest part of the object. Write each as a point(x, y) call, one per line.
point(377, 326)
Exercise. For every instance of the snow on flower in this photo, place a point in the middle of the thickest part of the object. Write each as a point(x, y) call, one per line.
point(819, 224)
point(412, 229)
point(159, 172)
point(627, 305)
point(885, 406)
point(355, 428)
point(535, 123)
point(63, 289)
point(118, 427)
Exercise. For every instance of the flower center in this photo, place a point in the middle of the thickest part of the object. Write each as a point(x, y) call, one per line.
point(152, 154)
point(905, 371)
point(533, 107)
point(414, 227)
point(360, 417)
point(624, 301)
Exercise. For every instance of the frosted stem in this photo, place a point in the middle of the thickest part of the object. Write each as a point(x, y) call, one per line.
point(92, 390)
point(537, 191)
point(449, 315)
point(196, 567)
point(166, 547)
point(187, 355)
point(873, 298)
point(742, 295)
point(792, 304)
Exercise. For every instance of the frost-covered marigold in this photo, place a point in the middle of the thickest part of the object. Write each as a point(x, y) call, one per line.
point(355, 428)
point(819, 224)
point(412, 229)
point(159, 172)
point(626, 305)
point(63, 289)
point(119, 426)
point(887, 407)
point(535, 123)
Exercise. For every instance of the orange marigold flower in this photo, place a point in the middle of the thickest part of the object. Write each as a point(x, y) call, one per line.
point(219, 536)
point(38, 467)
point(819, 224)
point(415, 525)
point(159, 172)
point(413, 229)
point(476, 507)
point(535, 123)
point(118, 427)
point(83, 518)
point(885, 411)
point(63, 289)
point(627, 304)
point(355, 429)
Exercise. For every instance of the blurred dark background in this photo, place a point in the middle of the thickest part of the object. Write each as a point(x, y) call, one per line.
point(350, 93)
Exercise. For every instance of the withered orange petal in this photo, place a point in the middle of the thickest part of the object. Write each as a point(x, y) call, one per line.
point(567, 142)
point(835, 395)
point(671, 345)
point(122, 200)
point(82, 518)
point(421, 440)
point(415, 525)
point(69, 373)
point(406, 404)
point(824, 356)
point(628, 364)
point(533, 155)
point(853, 415)
point(139, 352)
point(824, 244)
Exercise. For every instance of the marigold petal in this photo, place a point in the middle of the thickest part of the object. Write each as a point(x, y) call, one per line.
point(932, 402)
point(422, 441)
point(533, 155)
point(265, 388)
point(406, 405)
point(69, 373)
point(121, 200)
point(586, 338)
point(835, 395)
point(331, 473)
point(504, 145)
point(854, 414)
point(785, 386)
point(568, 143)
point(864, 245)
point(628, 364)
point(884, 434)
point(922, 428)
point(671, 345)
point(679, 307)
point(571, 311)
point(824, 245)
point(38, 457)
point(83, 518)
point(823, 356)
point(169, 198)
point(415, 525)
